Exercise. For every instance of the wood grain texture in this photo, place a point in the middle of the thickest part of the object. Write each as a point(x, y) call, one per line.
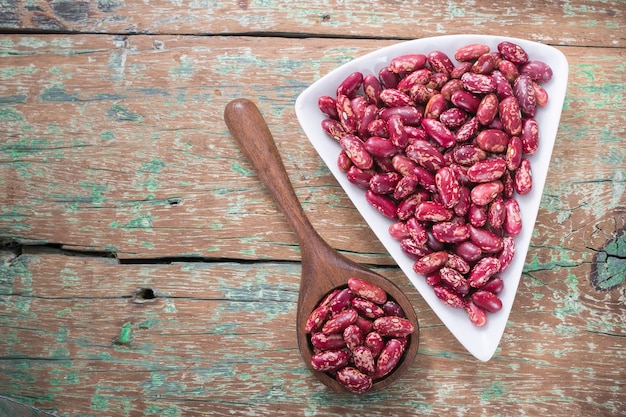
point(144, 269)
point(581, 23)
point(124, 145)
point(222, 341)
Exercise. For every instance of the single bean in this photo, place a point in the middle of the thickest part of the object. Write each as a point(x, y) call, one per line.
point(471, 52)
point(431, 262)
point(354, 380)
point(340, 301)
point(383, 204)
point(389, 357)
point(367, 290)
point(367, 308)
point(487, 300)
point(482, 271)
point(323, 341)
point(352, 336)
point(476, 314)
point(355, 149)
point(455, 280)
point(393, 326)
point(449, 297)
point(404, 64)
point(375, 342)
point(513, 52)
point(340, 321)
point(508, 251)
point(330, 360)
point(523, 180)
point(440, 62)
point(350, 85)
point(364, 359)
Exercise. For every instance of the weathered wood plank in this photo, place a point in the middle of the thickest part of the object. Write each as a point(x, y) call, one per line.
point(112, 140)
point(218, 338)
point(121, 141)
point(149, 134)
point(581, 23)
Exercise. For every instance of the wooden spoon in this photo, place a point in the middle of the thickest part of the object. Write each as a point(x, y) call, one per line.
point(323, 268)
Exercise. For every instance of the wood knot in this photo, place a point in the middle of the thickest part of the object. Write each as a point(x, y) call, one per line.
point(608, 270)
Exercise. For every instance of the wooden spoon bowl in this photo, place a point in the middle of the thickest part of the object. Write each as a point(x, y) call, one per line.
point(323, 268)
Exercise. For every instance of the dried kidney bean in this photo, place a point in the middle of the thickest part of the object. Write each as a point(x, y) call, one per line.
point(449, 145)
point(358, 334)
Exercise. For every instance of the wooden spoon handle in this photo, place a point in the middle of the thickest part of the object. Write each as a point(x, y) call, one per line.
point(248, 128)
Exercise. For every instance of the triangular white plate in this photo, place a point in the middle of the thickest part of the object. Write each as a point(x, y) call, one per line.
point(480, 342)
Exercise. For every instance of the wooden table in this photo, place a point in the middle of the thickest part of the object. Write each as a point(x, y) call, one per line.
point(146, 271)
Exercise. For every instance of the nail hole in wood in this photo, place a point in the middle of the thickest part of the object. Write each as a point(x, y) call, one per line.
point(143, 295)
point(174, 201)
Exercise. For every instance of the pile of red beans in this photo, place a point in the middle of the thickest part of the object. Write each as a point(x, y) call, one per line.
point(442, 147)
point(358, 334)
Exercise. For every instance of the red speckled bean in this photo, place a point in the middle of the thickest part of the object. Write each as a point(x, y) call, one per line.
point(375, 342)
point(485, 239)
point(448, 187)
point(323, 341)
point(329, 360)
point(476, 314)
point(431, 262)
point(537, 71)
point(449, 297)
point(407, 63)
point(513, 52)
point(355, 149)
point(487, 300)
point(367, 290)
point(391, 308)
point(340, 321)
point(513, 217)
point(393, 326)
point(529, 136)
point(367, 308)
point(389, 357)
point(350, 85)
point(383, 204)
point(471, 52)
point(455, 280)
point(494, 285)
point(353, 336)
point(354, 380)
point(482, 271)
point(508, 251)
point(440, 62)
point(364, 360)
point(523, 180)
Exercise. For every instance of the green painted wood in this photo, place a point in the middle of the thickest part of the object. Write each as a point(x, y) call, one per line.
point(218, 338)
point(113, 153)
point(141, 164)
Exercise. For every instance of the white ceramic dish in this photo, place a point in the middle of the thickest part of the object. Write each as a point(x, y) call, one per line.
point(480, 342)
